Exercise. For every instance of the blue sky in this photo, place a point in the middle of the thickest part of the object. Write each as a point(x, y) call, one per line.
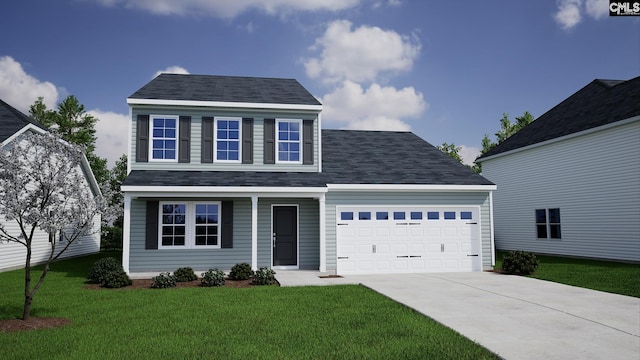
point(444, 70)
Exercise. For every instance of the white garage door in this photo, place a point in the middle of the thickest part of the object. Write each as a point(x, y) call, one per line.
point(396, 239)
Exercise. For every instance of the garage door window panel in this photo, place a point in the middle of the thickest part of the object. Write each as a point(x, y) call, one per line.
point(364, 215)
point(416, 215)
point(346, 215)
point(382, 215)
point(399, 215)
point(433, 215)
point(449, 215)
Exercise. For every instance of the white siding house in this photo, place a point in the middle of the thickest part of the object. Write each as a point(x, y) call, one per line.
point(13, 124)
point(569, 183)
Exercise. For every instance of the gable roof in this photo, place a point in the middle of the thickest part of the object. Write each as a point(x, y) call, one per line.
point(599, 103)
point(348, 157)
point(227, 89)
point(12, 121)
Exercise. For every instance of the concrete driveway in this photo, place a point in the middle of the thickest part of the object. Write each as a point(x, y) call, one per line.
point(521, 318)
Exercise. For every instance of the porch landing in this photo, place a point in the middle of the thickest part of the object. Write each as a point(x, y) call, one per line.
point(310, 278)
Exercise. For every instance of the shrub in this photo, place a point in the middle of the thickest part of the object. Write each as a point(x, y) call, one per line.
point(264, 276)
point(241, 271)
point(213, 277)
point(185, 274)
point(519, 262)
point(116, 279)
point(163, 281)
point(101, 268)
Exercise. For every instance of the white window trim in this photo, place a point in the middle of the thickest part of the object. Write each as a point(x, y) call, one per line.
point(151, 137)
point(215, 139)
point(300, 141)
point(190, 225)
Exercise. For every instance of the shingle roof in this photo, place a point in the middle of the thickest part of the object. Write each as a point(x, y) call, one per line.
point(226, 89)
point(385, 157)
point(349, 157)
point(12, 120)
point(599, 103)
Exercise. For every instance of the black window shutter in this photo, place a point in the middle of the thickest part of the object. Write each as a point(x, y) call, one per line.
point(151, 234)
point(307, 142)
point(184, 142)
point(269, 141)
point(142, 138)
point(227, 225)
point(247, 140)
point(206, 151)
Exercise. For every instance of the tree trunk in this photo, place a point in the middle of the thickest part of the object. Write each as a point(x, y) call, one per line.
point(26, 312)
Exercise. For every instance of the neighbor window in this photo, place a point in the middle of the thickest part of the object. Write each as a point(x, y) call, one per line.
point(548, 223)
point(288, 138)
point(190, 225)
point(164, 137)
point(227, 142)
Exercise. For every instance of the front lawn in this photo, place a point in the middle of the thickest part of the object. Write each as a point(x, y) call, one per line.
point(609, 276)
point(334, 322)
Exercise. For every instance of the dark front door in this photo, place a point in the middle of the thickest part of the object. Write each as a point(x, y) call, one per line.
point(285, 236)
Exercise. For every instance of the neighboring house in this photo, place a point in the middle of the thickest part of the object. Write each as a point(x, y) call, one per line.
point(13, 124)
point(569, 182)
point(224, 170)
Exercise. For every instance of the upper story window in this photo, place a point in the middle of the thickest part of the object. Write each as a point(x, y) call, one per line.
point(288, 138)
point(164, 137)
point(227, 142)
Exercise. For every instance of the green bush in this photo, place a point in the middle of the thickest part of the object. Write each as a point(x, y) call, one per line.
point(111, 239)
point(116, 279)
point(185, 274)
point(264, 276)
point(241, 271)
point(519, 262)
point(163, 281)
point(103, 267)
point(213, 277)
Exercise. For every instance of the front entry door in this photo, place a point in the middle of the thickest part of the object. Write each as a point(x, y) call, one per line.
point(285, 236)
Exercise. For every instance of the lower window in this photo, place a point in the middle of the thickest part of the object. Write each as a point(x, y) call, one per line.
point(548, 223)
point(189, 224)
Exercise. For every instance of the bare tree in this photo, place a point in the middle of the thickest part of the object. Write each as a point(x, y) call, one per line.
point(43, 188)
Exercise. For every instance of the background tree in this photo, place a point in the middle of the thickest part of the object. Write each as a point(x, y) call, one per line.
point(112, 232)
point(73, 124)
point(507, 129)
point(451, 150)
point(43, 188)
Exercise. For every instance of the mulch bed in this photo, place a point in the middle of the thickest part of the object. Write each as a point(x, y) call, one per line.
point(146, 284)
point(35, 323)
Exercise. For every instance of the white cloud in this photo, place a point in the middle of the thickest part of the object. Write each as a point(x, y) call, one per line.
point(360, 55)
point(597, 8)
point(21, 90)
point(570, 12)
point(231, 8)
point(171, 70)
point(376, 108)
point(469, 154)
point(112, 131)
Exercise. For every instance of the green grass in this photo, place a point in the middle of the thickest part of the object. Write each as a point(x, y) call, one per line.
point(335, 322)
point(608, 276)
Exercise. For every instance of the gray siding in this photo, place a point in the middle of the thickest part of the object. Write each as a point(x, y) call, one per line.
point(480, 199)
point(196, 131)
point(595, 181)
point(308, 231)
point(142, 260)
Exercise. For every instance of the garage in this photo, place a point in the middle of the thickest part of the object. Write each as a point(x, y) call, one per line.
point(401, 239)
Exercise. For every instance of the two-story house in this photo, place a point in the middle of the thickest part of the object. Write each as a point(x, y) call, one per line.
point(225, 169)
